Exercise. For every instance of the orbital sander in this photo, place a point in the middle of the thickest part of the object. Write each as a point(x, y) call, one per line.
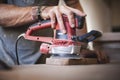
point(64, 49)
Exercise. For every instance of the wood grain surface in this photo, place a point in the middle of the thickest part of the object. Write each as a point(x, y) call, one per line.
point(73, 72)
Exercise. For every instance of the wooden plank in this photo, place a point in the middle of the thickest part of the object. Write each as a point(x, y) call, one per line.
point(66, 61)
point(73, 72)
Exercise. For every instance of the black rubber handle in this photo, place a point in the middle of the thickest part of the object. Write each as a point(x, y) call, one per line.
point(92, 35)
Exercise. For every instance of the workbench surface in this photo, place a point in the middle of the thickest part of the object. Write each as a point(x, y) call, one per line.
point(72, 72)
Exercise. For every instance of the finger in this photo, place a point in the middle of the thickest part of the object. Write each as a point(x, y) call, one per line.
point(71, 19)
point(80, 13)
point(70, 16)
point(60, 20)
point(52, 17)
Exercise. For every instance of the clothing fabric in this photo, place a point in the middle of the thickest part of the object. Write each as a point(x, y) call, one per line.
point(28, 51)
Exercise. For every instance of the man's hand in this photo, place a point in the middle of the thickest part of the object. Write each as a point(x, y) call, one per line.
point(55, 13)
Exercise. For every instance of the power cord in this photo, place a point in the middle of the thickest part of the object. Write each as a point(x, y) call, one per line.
point(4, 65)
point(16, 47)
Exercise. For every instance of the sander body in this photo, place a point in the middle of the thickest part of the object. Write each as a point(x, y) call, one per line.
point(63, 48)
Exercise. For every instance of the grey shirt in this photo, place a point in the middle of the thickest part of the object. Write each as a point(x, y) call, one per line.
point(28, 51)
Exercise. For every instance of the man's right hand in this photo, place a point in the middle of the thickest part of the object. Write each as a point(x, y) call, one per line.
point(55, 13)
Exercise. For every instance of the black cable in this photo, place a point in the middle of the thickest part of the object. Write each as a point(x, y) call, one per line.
point(4, 65)
point(16, 48)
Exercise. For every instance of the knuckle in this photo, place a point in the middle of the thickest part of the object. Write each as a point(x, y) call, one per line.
point(78, 11)
point(70, 13)
point(55, 8)
point(51, 14)
point(59, 17)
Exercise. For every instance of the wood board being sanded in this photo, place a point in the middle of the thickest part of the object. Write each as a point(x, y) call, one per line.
point(66, 61)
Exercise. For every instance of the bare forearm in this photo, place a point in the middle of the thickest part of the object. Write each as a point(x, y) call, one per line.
point(11, 15)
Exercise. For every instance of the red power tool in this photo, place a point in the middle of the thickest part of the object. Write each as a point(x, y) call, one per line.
point(62, 45)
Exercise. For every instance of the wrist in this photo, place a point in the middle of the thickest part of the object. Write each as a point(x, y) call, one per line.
point(36, 12)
